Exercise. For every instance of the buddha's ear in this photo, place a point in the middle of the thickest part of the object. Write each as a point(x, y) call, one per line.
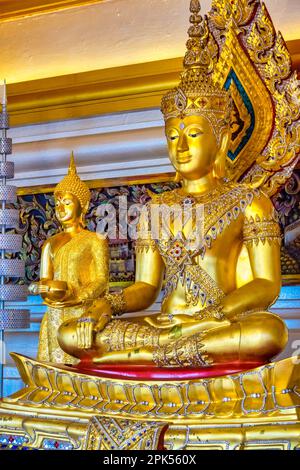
point(86, 208)
point(82, 219)
point(177, 177)
point(220, 161)
point(83, 214)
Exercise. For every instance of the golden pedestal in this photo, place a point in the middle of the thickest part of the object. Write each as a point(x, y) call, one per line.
point(64, 409)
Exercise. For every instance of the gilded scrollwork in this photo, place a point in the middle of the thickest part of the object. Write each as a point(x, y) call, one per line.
point(224, 11)
point(278, 67)
point(261, 37)
point(252, 33)
point(91, 396)
point(236, 71)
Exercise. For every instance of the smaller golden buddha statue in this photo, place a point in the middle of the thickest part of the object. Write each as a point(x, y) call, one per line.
point(74, 267)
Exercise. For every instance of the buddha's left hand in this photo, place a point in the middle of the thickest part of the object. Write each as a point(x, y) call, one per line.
point(165, 321)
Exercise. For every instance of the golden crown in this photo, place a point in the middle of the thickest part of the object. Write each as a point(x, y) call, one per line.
point(196, 93)
point(74, 185)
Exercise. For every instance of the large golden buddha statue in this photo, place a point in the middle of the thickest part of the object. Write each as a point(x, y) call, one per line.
point(197, 374)
point(74, 267)
point(213, 310)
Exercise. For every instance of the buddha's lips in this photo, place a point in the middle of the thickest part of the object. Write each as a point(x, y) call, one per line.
point(186, 159)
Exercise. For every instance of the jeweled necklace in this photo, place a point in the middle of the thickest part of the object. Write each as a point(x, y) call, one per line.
point(187, 198)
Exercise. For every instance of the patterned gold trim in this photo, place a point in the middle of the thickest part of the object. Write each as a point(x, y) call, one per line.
point(117, 302)
point(182, 353)
point(291, 279)
point(261, 230)
point(122, 434)
point(258, 393)
point(277, 433)
point(104, 183)
point(252, 410)
point(232, 436)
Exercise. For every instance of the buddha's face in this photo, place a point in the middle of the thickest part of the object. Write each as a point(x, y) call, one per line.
point(192, 146)
point(67, 208)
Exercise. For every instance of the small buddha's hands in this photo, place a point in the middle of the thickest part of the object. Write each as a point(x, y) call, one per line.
point(58, 294)
point(36, 288)
point(50, 290)
point(93, 320)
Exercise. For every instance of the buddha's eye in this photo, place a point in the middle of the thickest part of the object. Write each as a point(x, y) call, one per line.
point(173, 137)
point(195, 134)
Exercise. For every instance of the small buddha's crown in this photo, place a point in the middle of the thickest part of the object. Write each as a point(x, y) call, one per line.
point(74, 185)
point(196, 93)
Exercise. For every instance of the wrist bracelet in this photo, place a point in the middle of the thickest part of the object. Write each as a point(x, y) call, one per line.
point(211, 312)
point(117, 302)
point(86, 320)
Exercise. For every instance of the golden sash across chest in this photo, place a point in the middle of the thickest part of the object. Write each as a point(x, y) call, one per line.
point(180, 251)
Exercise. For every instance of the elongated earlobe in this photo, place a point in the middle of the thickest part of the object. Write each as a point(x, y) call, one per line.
point(178, 177)
point(82, 220)
point(219, 168)
point(82, 216)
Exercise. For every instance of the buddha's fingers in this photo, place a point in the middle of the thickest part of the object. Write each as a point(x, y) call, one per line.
point(78, 335)
point(84, 328)
point(88, 336)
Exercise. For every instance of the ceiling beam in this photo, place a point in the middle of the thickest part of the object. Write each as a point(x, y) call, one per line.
point(14, 9)
point(94, 93)
point(294, 49)
point(115, 90)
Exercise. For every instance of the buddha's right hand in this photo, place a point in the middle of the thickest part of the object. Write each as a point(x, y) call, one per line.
point(84, 330)
point(94, 319)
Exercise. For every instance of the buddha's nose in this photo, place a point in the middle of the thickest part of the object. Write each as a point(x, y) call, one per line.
point(182, 144)
point(60, 211)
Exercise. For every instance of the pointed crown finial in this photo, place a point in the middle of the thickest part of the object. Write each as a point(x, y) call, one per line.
point(202, 50)
point(72, 166)
point(72, 183)
point(196, 93)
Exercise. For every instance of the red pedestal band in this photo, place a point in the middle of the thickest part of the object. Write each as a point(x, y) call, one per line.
point(144, 372)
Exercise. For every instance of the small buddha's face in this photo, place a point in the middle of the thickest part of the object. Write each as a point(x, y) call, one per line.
point(192, 146)
point(67, 208)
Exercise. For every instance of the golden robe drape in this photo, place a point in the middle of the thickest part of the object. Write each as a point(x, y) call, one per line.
point(83, 264)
